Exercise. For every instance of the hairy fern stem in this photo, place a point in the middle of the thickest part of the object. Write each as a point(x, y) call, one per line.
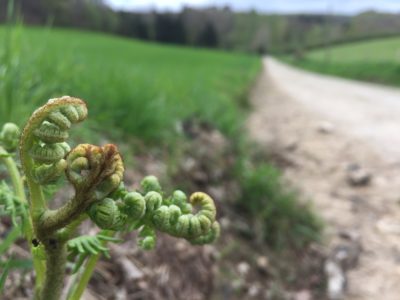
point(56, 259)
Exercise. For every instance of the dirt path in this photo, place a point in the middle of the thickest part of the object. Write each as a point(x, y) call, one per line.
point(329, 132)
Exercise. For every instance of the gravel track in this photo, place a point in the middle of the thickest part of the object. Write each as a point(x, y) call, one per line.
point(325, 131)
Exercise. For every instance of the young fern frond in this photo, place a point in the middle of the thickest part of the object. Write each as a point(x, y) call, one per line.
point(95, 171)
point(82, 247)
point(43, 143)
point(106, 215)
point(90, 245)
point(9, 136)
point(170, 219)
point(96, 174)
point(134, 206)
point(209, 236)
point(172, 215)
point(150, 184)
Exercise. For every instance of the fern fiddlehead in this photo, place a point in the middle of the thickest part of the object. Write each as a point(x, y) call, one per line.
point(149, 211)
point(96, 174)
point(150, 184)
point(106, 214)
point(171, 219)
point(94, 169)
point(207, 237)
point(9, 136)
point(147, 238)
point(43, 143)
point(174, 215)
point(134, 205)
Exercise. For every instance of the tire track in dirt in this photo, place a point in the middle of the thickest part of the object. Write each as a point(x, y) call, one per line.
point(328, 130)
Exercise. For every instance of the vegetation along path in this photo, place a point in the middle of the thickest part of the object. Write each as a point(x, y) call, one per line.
point(339, 141)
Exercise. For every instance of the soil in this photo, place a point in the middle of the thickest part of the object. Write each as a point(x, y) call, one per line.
point(338, 141)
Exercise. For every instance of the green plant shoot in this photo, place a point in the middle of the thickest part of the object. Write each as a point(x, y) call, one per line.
point(96, 174)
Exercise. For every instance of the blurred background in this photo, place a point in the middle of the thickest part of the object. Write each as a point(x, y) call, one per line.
point(174, 84)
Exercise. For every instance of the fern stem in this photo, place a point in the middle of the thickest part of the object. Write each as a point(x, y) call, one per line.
point(37, 205)
point(56, 258)
point(78, 290)
point(14, 175)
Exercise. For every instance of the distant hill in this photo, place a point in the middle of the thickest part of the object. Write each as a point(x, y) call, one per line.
point(376, 60)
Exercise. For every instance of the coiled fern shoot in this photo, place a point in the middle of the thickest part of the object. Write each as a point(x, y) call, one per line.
point(96, 174)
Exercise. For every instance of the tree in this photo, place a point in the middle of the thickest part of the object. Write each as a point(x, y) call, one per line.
point(169, 28)
point(208, 37)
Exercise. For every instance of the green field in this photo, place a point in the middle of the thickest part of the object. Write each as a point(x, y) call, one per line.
point(376, 61)
point(140, 88)
point(144, 90)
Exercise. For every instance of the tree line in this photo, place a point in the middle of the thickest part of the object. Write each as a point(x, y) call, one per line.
point(210, 27)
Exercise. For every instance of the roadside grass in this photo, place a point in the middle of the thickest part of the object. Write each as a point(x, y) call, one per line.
point(375, 61)
point(146, 90)
point(284, 222)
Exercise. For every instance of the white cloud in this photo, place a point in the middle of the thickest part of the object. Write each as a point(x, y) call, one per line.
point(153, 4)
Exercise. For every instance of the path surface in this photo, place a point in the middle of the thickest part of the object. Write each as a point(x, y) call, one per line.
point(326, 130)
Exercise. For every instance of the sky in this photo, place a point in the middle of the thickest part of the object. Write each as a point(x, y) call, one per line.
point(268, 6)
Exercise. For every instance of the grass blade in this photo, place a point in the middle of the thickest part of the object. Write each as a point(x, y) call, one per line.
point(4, 275)
point(9, 240)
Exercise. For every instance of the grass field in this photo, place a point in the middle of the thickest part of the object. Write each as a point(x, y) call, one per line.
point(376, 61)
point(143, 89)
